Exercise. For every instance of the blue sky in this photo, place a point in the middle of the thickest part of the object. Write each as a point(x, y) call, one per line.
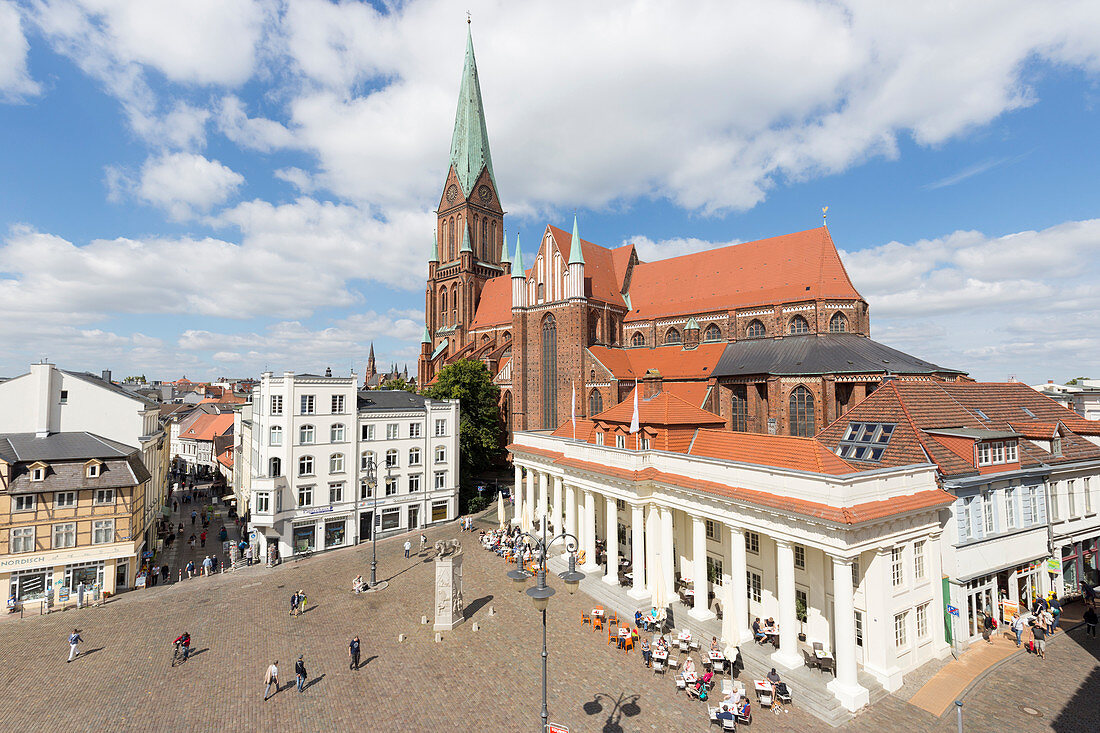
point(213, 188)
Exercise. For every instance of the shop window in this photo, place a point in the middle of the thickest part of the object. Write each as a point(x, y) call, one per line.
point(391, 519)
point(335, 533)
point(439, 510)
point(305, 538)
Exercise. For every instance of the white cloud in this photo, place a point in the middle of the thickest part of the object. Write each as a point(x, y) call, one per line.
point(16, 83)
point(180, 183)
point(254, 133)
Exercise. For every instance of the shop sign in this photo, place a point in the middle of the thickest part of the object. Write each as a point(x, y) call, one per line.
point(1054, 565)
point(320, 510)
point(1008, 610)
point(48, 560)
point(556, 728)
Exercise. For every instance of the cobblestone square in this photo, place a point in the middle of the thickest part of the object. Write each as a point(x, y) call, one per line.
point(483, 680)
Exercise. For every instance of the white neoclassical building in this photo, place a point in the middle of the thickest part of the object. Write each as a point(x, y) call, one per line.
point(769, 524)
point(311, 439)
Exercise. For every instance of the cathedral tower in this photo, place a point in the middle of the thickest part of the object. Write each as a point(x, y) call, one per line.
point(469, 223)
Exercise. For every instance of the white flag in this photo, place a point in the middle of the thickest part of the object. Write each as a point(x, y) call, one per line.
point(634, 427)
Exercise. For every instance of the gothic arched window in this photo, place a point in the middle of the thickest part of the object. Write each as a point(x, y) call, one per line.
point(801, 412)
point(486, 249)
point(595, 403)
point(451, 241)
point(638, 339)
point(672, 336)
point(713, 333)
point(838, 323)
point(755, 329)
point(549, 372)
point(798, 325)
point(443, 306)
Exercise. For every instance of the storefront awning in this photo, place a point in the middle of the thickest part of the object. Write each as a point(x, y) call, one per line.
point(229, 497)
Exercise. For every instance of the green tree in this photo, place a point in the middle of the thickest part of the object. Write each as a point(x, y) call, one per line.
point(480, 431)
point(398, 383)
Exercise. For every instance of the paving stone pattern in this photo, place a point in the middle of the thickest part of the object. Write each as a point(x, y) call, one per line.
point(485, 680)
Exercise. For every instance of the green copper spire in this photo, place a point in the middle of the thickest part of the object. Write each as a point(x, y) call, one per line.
point(435, 246)
point(504, 250)
point(575, 254)
point(427, 337)
point(470, 141)
point(517, 263)
point(466, 240)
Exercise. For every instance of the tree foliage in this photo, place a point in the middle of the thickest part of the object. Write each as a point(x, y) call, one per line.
point(480, 429)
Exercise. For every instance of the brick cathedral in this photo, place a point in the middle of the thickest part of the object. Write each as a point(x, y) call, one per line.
point(770, 335)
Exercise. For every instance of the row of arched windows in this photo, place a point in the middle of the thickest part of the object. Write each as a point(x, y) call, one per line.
point(444, 300)
point(755, 329)
point(483, 245)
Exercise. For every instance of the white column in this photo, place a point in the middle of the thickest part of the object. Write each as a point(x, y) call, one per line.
point(700, 610)
point(788, 655)
point(735, 615)
point(845, 685)
point(611, 577)
point(530, 498)
point(556, 514)
point(544, 510)
point(571, 515)
point(668, 560)
point(637, 550)
point(517, 495)
point(588, 532)
point(653, 556)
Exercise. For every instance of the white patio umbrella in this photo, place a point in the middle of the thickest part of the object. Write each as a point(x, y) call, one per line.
point(525, 518)
point(502, 519)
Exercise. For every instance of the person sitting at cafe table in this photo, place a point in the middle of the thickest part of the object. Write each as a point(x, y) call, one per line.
point(773, 677)
point(757, 632)
point(689, 670)
point(646, 654)
point(637, 618)
point(714, 643)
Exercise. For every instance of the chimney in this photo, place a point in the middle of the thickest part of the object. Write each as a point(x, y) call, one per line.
point(106, 375)
point(652, 383)
point(328, 371)
point(1050, 381)
point(42, 384)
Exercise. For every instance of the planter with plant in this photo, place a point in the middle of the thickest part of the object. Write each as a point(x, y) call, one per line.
point(800, 614)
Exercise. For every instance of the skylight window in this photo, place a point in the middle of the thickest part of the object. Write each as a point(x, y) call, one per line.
point(981, 414)
point(865, 441)
point(1028, 412)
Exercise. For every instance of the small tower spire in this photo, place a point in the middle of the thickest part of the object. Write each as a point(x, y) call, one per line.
point(504, 250)
point(576, 256)
point(466, 239)
point(435, 245)
point(427, 337)
point(517, 262)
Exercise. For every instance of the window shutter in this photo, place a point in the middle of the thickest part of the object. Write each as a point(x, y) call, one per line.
point(1042, 504)
point(961, 515)
point(975, 505)
point(1026, 492)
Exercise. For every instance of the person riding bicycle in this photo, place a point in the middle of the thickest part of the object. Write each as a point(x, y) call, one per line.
point(184, 642)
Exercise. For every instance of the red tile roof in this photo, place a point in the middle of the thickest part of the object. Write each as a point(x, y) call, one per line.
point(673, 362)
point(207, 426)
point(228, 398)
point(584, 429)
point(495, 306)
point(781, 451)
point(857, 514)
point(663, 409)
point(792, 267)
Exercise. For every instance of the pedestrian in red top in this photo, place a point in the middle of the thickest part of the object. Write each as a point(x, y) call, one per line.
point(202, 538)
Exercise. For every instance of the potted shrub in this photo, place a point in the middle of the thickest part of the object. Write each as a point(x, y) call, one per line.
point(800, 614)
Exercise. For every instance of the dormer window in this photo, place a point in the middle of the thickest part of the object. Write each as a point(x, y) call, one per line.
point(997, 452)
point(38, 471)
point(1056, 445)
point(93, 468)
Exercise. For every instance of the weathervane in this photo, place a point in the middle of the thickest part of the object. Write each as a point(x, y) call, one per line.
point(824, 213)
point(468, 20)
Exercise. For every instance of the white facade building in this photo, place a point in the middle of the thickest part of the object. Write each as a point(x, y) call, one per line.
point(311, 439)
point(49, 400)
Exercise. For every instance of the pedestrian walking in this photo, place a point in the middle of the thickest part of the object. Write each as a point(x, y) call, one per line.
point(1039, 634)
point(353, 652)
point(248, 555)
point(1018, 628)
point(194, 516)
point(175, 505)
point(988, 624)
point(207, 565)
point(202, 538)
point(423, 542)
point(190, 569)
point(1090, 622)
point(300, 673)
point(301, 602)
point(164, 573)
point(74, 639)
point(294, 603)
point(1055, 614)
point(408, 546)
point(271, 678)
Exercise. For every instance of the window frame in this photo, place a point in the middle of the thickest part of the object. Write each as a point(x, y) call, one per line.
point(336, 463)
point(103, 525)
point(440, 427)
point(338, 404)
point(99, 497)
point(897, 567)
point(24, 537)
point(307, 435)
point(901, 630)
point(336, 492)
point(440, 454)
point(275, 436)
point(306, 466)
point(24, 499)
point(755, 329)
point(58, 504)
point(919, 570)
point(799, 557)
point(337, 432)
point(307, 404)
point(276, 404)
point(752, 543)
point(305, 495)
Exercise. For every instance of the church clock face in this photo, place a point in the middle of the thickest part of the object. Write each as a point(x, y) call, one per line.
point(452, 193)
point(485, 194)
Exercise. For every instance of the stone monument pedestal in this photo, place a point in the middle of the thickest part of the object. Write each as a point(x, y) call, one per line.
point(449, 604)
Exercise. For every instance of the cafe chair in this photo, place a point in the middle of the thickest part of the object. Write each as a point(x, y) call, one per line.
point(680, 684)
point(783, 693)
point(658, 667)
point(597, 622)
point(810, 659)
point(729, 724)
point(612, 635)
point(827, 665)
point(629, 644)
point(586, 619)
point(613, 618)
point(818, 647)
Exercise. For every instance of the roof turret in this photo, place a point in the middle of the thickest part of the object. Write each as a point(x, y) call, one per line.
point(517, 263)
point(576, 256)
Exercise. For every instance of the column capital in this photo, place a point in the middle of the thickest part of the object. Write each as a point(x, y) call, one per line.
point(841, 560)
point(785, 544)
point(734, 529)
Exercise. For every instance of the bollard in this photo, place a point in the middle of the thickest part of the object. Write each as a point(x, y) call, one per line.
point(492, 611)
point(476, 627)
point(423, 619)
point(180, 580)
point(438, 636)
point(400, 638)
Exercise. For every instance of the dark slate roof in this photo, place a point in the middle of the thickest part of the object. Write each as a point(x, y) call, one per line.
point(390, 399)
point(822, 353)
point(99, 381)
point(24, 447)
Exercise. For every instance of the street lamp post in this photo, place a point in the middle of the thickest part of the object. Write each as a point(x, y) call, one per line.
point(372, 484)
point(540, 594)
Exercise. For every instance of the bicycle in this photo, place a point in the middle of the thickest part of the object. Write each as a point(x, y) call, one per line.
point(177, 654)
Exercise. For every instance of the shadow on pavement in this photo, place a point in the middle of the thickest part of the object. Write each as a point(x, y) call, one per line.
point(90, 652)
point(312, 682)
point(475, 606)
point(623, 705)
point(197, 652)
